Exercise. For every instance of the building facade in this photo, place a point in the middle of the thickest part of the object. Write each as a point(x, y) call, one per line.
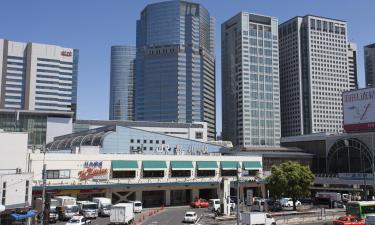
point(38, 77)
point(250, 80)
point(352, 66)
point(370, 65)
point(175, 65)
point(155, 180)
point(314, 72)
point(121, 102)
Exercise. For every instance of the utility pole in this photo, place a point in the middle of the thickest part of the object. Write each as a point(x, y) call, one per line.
point(238, 195)
point(43, 194)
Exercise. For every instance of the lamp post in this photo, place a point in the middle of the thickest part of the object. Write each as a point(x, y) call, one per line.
point(238, 195)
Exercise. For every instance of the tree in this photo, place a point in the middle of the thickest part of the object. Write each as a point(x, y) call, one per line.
point(290, 179)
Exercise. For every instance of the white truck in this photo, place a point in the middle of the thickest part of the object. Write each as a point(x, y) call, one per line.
point(67, 207)
point(104, 205)
point(258, 218)
point(122, 213)
point(214, 204)
point(53, 214)
point(88, 209)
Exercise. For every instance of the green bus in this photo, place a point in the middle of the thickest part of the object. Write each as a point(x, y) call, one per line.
point(361, 208)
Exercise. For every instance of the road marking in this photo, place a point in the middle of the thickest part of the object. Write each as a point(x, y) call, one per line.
point(196, 222)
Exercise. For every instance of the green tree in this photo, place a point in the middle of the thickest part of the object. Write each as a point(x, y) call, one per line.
point(290, 179)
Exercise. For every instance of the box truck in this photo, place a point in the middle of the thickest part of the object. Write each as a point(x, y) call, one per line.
point(67, 207)
point(104, 205)
point(122, 213)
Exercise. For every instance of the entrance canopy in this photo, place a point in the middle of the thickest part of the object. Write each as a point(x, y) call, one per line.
point(227, 165)
point(123, 165)
point(252, 165)
point(206, 165)
point(181, 165)
point(154, 165)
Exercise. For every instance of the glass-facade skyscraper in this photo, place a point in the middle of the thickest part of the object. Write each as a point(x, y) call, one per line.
point(121, 106)
point(175, 64)
point(250, 80)
point(370, 65)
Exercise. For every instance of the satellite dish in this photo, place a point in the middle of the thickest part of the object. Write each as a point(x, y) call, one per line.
point(2, 208)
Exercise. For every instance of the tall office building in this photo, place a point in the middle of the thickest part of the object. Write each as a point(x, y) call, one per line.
point(352, 66)
point(250, 80)
point(370, 65)
point(313, 74)
point(121, 102)
point(175, 64)
point(38, 77)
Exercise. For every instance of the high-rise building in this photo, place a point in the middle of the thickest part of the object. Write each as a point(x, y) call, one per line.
point(121, 103)
point(352, 66)
point(250, 80)
point(38, 77)
point(175, 64)
point(313, 74)
point(370, 65)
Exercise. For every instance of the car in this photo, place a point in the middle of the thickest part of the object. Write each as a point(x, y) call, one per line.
point(78, 220)
point(199, 203)
point(274, 206)
point(349, 220)
point(190, 217)
point(288, 202)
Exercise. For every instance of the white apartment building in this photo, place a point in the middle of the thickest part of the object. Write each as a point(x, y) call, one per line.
point(38, 76)
point(250, 81)
point(313, 74)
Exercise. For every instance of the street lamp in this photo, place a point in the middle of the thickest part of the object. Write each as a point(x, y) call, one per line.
point(238, 195)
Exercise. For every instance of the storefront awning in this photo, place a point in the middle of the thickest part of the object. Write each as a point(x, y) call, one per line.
point(227, 165)
point(206, 165)
point(252, 165)
point(121, 165)
point(22, 216)
point(181, 165)
point(154, 165)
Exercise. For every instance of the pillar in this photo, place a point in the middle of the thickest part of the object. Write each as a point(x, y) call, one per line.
point(242, 193)
point(108, 193)
point(138, 195)
point(195, 193)
point(263, 190)
point(167, 197)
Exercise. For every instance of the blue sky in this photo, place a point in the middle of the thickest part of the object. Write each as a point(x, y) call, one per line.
point(93, 26)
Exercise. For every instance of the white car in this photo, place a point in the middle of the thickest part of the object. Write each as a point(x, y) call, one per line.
point(190, 217)
point(288, 202)
point(78, 220)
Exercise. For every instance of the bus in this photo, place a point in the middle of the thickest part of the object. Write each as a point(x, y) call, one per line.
point(361, 208)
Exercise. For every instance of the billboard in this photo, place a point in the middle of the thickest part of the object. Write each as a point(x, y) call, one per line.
point(359, 109)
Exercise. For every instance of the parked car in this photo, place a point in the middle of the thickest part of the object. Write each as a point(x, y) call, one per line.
point(190, 217)
point(78, 220)
point(274, 206)
point(288, 202)
point(199, 203)
point(349, 220)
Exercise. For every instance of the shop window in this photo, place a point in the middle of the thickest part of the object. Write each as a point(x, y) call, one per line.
point(123, 174)
point(180, 173)
point(250, 173)
point(206, 173)
point(153, 173)
point(198, 135)
point(228, 173)
point(58, 174)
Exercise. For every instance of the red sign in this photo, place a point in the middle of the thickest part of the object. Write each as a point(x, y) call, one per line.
point(66, 53)
point(89, 173)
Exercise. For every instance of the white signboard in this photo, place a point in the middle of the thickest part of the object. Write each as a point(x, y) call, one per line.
point(359, 109)
point(249, 196)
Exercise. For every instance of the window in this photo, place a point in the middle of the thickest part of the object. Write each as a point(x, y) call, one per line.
point(58, 174)
point(123, 174)
point(153, 173)
point(157, 141)
point(206, 173)
point(228, 173)
point(131, 141)
point(198, 135)
point(163, 142)
point(151, 141)
point(138, 141)
point(180, 173)
point(3, 196)
point(144, 141)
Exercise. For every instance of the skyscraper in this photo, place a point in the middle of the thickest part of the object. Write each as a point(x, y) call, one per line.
point(370, 65)
point(250, 80)
point(352, 66)
point(313, 74)
point(175, 64)
point(121, 103)
point(38, 77)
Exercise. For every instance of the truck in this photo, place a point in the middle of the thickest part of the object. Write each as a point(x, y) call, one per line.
point(53, 214)
point(104, 205)
point(327, 198)
point(88, 209)
point(122, 213)
point(258, 218)
point(67, 207)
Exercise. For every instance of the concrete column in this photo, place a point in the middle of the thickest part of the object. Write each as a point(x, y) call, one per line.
point(263, 190)
point(167, 197)
point(242, 194)
point(195, 193)
point(138, 195)
point(108, 193)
